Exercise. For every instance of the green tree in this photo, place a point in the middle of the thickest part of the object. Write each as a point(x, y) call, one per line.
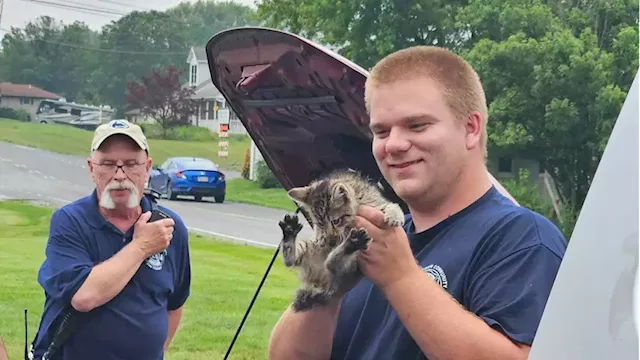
point(134, 45)
point(38, 55)
point(203, 19)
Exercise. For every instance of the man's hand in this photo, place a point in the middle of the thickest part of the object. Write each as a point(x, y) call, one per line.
point(151, 238)
point(388, 257)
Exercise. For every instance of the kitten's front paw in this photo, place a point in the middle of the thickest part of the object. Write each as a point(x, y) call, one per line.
point(290, 225)
point(393, 215)
point(359, 239)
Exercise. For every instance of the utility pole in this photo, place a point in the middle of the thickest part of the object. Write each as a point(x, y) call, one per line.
point(1, 7)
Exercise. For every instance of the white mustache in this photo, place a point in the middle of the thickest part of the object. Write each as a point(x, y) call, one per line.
point(121, 185)
point(107, 202)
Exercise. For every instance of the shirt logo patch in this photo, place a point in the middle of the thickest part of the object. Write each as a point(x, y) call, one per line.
point(156, 261)
point(437, 274)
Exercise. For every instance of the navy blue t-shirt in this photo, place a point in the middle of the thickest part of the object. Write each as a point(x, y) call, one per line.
point(134, 324)
point(496, 259)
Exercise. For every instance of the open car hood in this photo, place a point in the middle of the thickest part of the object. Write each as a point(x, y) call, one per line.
point(302, 104)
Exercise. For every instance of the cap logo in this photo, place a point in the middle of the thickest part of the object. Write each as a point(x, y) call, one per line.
point(119, 124)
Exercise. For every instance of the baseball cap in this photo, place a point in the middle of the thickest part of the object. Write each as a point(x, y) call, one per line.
point(122, 127)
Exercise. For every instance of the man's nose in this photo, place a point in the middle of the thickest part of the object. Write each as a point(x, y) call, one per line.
point(120, 174)
point(397, 141)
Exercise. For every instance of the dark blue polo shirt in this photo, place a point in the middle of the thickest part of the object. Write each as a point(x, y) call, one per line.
point(134, 324)
point(496, 259)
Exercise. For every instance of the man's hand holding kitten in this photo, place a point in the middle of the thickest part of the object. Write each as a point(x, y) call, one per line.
point(388, 259)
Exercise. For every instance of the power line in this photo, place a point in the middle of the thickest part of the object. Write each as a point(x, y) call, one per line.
point(114, 51)
point(93, 11)
point(122, 4)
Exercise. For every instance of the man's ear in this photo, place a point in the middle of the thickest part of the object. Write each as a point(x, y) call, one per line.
point(91, 168)
point(474, 127)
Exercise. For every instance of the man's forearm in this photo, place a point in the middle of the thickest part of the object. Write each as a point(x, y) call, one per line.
point(304, 335)
point(107, 279)
point(174, 321)
point(441, 327)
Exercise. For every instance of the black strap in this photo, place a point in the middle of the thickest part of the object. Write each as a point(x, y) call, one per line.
point(255, 296)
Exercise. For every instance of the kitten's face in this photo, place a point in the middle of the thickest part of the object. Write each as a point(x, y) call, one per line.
point(329, 204)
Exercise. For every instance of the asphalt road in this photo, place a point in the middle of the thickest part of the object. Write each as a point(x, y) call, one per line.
point(34, 174)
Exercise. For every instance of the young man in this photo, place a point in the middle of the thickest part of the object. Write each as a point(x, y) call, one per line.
point(469, 275)
point(104, 257)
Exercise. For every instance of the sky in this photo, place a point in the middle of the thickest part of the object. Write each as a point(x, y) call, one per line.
point(19, 12)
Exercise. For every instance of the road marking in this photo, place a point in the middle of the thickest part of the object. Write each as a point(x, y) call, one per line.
point(231, 237)
point(7, 160)
point(222, 212)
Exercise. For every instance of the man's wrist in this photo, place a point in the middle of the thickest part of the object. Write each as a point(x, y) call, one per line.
point(415, 274)
point(135, 251)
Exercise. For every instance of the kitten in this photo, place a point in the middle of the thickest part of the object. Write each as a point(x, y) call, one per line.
point(327, 262)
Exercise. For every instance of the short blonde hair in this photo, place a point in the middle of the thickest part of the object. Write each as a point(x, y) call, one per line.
point(461, 84)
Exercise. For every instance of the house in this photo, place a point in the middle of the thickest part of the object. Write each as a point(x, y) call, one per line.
point(212, 108)
point(24, 96)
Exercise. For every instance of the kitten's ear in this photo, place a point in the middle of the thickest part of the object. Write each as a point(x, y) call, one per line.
point(340, 193)
point(299, 194)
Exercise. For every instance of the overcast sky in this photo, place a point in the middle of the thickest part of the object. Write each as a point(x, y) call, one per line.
point(20, 12)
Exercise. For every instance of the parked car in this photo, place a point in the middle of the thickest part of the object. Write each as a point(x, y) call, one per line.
point(189, 176)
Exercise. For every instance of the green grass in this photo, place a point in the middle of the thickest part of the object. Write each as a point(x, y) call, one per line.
point(245, 191)
point(225, 276)
point(69, 140)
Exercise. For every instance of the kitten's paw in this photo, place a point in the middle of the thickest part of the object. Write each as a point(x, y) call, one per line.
point(359, 239)
point(393, 215)
point(290, 225)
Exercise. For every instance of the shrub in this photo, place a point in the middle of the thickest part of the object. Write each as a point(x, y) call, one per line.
point(246, 164)
point(19, 114)
point(527, 194)
point(184, 133)
point(265, 177)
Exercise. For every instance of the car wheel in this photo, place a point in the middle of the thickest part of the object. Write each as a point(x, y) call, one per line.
point(170, 194)
point(219, 199)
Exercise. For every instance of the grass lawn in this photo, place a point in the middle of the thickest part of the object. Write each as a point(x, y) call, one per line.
point(245, 191)
point(225, 277)
point(69, 140)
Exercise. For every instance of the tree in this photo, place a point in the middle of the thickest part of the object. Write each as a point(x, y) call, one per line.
point(136, 43)
point(34, 55)
point(162, 97)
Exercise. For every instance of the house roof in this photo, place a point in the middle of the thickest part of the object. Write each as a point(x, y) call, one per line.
point(207, 91)
point(199, 53)
point(25, 90)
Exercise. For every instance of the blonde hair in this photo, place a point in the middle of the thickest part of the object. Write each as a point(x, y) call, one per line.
point(461, 84)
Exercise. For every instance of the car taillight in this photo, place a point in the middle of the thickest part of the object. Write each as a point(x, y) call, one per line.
point(180, 175)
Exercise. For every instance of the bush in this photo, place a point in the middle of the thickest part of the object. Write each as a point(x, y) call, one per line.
point(19, 114)
point(184, 133)
point(265, 177)
point(526, 194)
point(246, 164)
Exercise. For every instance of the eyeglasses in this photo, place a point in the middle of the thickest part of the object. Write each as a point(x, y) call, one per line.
point(127, 167)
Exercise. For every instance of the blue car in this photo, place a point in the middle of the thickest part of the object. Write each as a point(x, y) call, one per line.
point(189, 176)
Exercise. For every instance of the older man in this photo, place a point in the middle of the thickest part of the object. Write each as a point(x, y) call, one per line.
point(131, 277)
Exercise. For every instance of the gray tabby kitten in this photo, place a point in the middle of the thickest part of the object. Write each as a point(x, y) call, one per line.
point(327, 262)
